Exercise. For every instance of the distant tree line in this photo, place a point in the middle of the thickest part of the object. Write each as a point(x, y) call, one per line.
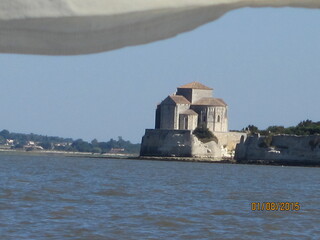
point(117, 146)
point(23, 139)
point(306, 127)
point(20, 140)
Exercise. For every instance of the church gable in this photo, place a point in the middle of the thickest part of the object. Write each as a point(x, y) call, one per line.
point(168, 101)
point(174, 100)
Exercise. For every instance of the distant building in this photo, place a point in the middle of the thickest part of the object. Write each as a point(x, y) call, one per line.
point(116, 150)
point(31, 143)
point(10, 142)
point(192, 105)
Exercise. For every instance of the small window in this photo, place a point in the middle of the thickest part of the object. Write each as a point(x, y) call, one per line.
point(218, 120)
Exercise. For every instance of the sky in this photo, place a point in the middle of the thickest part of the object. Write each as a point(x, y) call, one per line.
point(263, 62)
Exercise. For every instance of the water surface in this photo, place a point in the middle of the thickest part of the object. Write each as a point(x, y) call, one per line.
point(49, 197)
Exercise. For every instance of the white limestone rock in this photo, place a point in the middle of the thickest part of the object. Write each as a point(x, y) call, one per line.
point(69, 27)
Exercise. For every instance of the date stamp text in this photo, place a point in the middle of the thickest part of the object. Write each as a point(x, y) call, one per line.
point(275, 206)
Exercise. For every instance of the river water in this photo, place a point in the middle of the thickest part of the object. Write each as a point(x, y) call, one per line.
point(50, 197)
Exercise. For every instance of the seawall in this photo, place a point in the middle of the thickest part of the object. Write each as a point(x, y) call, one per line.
point(177, 143)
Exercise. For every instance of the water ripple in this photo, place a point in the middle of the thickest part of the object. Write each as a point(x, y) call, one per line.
point(50, 198)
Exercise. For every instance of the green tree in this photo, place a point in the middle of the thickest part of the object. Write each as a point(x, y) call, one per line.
point(251, 129)
point(82, 146)
point(19, 145)
point(94, 143)
point(306, 123)
point(2, 140)
point(276, 129)
point(46, 145)
point(204, 134)
point(306, 127)
point(5, 133)
point(96, 150)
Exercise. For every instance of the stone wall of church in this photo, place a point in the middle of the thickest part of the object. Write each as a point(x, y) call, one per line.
point(186, 92)
point(193, 95)
point(168, 116)
point(220, 119)
point(214, 118)
point(197, 94)
point(210, 118)
point(201, 111)
point(189, 122)
point(180, 109)
point(158, 117)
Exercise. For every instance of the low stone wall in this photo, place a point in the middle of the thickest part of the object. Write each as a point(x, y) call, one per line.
point(177, 143)
point(280, 149)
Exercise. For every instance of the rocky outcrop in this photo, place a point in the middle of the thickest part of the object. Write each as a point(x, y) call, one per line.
point(207, 150)
point(280, 149)
point(228, 141)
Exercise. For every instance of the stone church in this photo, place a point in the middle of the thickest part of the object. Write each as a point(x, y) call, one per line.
point(178, 115)
point(192, 105)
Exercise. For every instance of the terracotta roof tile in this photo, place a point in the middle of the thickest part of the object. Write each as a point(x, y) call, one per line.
point(211, 102)
point(222, 101)
point(195, 85)
point(179, 99)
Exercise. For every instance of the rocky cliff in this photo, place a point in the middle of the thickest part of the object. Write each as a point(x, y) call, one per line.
point(280, 149)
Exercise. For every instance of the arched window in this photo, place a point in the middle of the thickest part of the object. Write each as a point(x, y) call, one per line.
point(203, 116)
point(185, 123)
point(218, 120)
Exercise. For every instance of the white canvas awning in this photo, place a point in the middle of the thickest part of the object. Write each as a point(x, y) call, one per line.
point(70, 27)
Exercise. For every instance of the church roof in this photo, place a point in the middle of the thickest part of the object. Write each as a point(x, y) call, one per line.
point(175, 99)
point(211, 102)
point(179, 99)
point(189, 112)
point(195, 85)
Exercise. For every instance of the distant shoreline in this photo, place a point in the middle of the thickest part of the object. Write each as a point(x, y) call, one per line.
point(149, 158)
point(64, 153)
point(111, 156)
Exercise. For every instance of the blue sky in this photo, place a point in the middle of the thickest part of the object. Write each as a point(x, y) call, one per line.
point(263, 62)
